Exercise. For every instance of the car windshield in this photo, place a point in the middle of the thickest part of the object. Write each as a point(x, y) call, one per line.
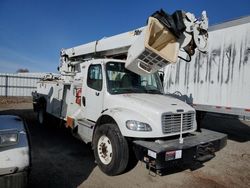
point(120, 80)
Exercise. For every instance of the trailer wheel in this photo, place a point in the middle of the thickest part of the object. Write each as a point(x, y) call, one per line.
point(110, 149)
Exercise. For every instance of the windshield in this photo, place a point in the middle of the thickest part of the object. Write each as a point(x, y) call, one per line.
point(120, 80)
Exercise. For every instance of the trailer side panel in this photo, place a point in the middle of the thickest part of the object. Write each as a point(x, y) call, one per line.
point(218, 81)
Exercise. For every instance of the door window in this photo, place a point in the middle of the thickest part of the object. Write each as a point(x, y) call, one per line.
point(94, 79)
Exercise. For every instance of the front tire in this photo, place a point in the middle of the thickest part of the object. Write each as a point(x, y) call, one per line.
point(110, 149)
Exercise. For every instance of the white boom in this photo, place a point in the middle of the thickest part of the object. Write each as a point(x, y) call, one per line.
point(147, 49)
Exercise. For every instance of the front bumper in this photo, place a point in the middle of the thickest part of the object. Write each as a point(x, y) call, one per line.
point(16, 180)
point(198, 146)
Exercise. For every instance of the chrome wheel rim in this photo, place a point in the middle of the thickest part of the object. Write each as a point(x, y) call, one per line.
point(104, 149)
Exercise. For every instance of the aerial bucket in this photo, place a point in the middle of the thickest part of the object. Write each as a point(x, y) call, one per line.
point(165, 38)
point(155, 48)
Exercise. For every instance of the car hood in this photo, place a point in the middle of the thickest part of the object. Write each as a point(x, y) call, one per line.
point(10, 122)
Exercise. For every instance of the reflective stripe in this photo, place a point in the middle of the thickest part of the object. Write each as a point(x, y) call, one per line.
point(223, 109)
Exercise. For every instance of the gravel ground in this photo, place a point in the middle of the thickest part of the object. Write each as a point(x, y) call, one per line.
point(60, 160)
point(14, 100)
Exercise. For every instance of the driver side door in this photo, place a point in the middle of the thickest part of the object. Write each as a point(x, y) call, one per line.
point(93, 92)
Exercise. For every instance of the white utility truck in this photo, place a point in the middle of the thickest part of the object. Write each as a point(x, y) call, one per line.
point(110, 94)
point(218, 81)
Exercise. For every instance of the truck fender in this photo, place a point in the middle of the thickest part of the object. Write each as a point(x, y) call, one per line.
point(103, 119)
point(119, 116)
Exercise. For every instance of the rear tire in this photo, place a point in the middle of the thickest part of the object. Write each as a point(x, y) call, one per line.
point(110, 149)
point(42, 116)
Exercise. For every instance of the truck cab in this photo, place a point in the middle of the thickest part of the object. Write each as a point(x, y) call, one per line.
point(135, 102)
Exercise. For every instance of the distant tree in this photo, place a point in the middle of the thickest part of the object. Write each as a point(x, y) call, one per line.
point(22, 70)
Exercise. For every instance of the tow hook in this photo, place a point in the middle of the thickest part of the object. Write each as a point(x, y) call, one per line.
point(205, 152)
point(151, 165)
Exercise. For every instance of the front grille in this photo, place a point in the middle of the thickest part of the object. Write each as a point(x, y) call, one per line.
point(171, 123)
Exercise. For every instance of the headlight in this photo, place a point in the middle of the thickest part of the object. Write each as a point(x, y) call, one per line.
point(8, 139)
point(137, 126)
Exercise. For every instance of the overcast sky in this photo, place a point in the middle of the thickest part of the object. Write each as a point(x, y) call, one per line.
point(32, 32)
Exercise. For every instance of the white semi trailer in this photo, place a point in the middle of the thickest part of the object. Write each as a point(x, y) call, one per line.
point(218, 81)
point(110, 95)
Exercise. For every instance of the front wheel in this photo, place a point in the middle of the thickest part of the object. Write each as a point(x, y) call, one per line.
point(110, 149)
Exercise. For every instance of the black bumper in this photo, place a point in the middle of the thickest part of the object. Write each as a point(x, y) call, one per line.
point(198, 146)
point(16, 180)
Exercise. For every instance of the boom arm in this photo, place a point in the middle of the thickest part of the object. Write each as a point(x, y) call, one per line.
point(147, 49)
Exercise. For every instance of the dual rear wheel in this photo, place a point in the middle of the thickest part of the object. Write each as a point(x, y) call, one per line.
point(42, 116)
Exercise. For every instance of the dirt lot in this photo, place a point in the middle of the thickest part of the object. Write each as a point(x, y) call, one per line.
point(60, 160)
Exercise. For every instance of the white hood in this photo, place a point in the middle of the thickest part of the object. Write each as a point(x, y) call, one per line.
point(152, 103)
point(147, 108)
